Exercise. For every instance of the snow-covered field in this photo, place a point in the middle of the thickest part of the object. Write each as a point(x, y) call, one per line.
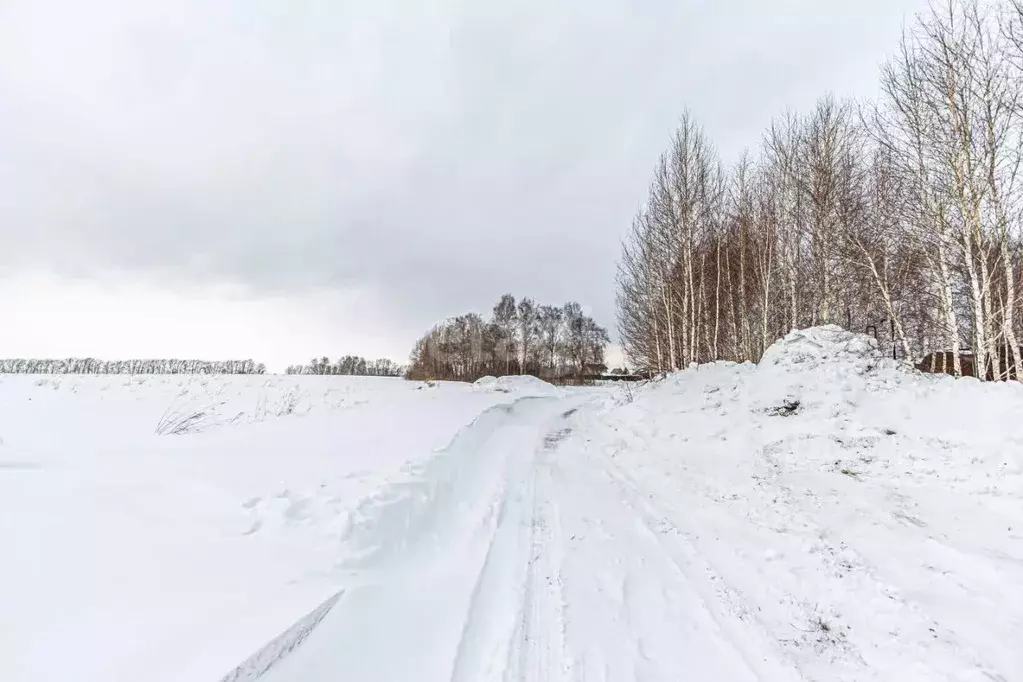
point(828, 515)
point(128, 555)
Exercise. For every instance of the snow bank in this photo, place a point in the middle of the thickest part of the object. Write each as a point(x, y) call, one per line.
point(822, 369)
point(809, 349)
point(862, 518)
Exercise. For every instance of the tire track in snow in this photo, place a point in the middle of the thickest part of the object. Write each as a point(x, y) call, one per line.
point(438, 579)
point(753, 644)
point(841, 571)
point(540, 652)
point(439, 502)
point(631, 615)
point(786, 639)
point(486, 640)
point(512, 630)
point(847, 566)
point(436, 563)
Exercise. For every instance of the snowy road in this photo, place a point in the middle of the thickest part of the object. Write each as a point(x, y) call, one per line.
point(814, 518)
point(827, 515)
point(449, 575)
point(517, 554)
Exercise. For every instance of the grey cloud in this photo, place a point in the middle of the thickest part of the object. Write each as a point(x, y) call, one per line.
point(439, 155)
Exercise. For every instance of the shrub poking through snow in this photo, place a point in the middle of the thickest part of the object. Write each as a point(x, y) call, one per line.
point(288, 403)
point(177, 421)
point(260, 412)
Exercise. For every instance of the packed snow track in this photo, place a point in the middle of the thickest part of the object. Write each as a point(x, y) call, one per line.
point(496, 551)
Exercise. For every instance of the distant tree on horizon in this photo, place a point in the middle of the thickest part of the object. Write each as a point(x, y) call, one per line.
point(349, 365)
point(131, 367)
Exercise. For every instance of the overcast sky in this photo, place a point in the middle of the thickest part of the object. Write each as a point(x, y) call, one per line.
point(288, 178)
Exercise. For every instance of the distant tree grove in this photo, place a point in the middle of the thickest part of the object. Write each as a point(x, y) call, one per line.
point(901, 216)
point(155, 366)
point(349, 365)
point(551, 342)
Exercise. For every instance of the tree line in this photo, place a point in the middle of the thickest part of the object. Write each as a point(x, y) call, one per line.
point(349, 365)
point(152, 366)
point(551, 342)
point(901, 215)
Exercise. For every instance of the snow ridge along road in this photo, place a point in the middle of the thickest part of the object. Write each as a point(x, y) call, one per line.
point(447, 572)
point(516, 554)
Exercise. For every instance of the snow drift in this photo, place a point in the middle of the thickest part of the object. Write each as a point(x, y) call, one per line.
point(130, 555)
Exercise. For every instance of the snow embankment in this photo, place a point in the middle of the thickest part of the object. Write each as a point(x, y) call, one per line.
point(860, 519)
point(129, 555)
point(436, 570)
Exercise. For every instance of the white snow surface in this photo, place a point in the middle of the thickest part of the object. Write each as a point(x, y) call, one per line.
point(522, 386)
point(826, 515)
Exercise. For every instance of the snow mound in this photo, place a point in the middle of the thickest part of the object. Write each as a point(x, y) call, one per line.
point(519, 385)
point(527, 385)
point(810, 348)
point(110, 516)
point(827, 368)
point(823, 371)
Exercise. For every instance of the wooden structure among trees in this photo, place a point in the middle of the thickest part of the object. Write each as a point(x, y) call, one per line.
point(943, 362)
